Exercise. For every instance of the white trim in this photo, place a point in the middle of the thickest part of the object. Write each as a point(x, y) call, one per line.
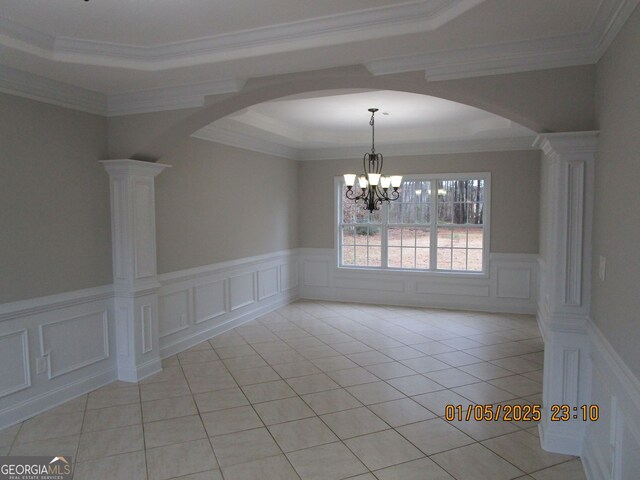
point(168, 98)
point(72, 368)
point(584, 48)
point(322, 279)
point(26, 369)
point(360, 25)
point(33, 306)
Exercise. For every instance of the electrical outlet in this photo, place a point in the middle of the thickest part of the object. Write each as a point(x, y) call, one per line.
point(41, 365)
point(602, 270)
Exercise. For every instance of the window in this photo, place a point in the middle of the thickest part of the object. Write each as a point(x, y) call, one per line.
point(439, 223)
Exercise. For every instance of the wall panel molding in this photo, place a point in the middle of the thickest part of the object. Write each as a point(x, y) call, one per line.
point(321, 279)
point(14, 355)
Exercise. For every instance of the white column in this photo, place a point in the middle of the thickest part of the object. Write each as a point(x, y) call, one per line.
point(133, 233)
point(564, 302)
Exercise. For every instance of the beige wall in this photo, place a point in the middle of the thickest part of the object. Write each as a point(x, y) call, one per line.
point(616, 233)
point(54, 200)
point(220, 203)
point(515, 183)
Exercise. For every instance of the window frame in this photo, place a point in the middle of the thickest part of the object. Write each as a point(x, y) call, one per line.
point(486, 228)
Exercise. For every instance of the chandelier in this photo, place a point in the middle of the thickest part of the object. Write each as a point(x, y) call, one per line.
point(374, 187)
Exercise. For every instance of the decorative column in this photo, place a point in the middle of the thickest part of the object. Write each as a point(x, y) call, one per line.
point(564, 302)
point(133, 233)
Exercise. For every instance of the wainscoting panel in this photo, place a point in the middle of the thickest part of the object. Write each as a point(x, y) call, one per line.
point(72, 343)
point(224, 295)
point(14, 358)
point(612, 443)
point(173, 312)
point(210, 301)
point(323, 280)
point(53, 349)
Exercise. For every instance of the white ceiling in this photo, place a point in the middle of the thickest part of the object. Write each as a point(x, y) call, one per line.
point(115, 47)
point(336, 124)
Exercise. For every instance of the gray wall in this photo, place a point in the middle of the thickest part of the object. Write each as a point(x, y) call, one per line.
point(220, 203)
point(515, 183)
point(54, 196)
point(616, 232)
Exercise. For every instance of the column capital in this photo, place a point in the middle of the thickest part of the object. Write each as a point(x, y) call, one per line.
point(125, 166)
point(568, 145)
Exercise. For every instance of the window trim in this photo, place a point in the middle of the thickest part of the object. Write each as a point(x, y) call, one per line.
point(486, 238)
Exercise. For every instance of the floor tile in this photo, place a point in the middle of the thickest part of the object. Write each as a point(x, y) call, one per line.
point(475, 462)
point(377, 392)
point(251, 376)
point(102, 398)
point(452, 377)
point(7, 435)
point(401, 412)
point(279, 411)
point(328, 364)
point(369, 358)
point(420, 469)
point(326, 462)
point(245, 446)
point(312, 384)
point(230, 420)
point(265, 392)
point(518, 385)
point(425, 364)
point(523, 450)
point(128, 466)
point(401, 353)
point(112, 417)
point(197, 356)
point(457, 359)
point(352, 376)
point(298, 369)
point(389, 370)
point(173, 430)
point(220, 400)
point(180, 459)
point(300, 434)
point(157, 391)
point(571, 470)
point(486, 371)
point(276, 467)
point(437, 401)
point(52, 446)
point(483, 393)
point(331, 401)
point(351, 423)
point(434, 436)
point(43, 427)
point(105, 443)
point(415, 385)
point(382, 449)
point(168, 408)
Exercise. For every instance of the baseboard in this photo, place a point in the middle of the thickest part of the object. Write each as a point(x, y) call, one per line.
point(141, 372)
point(33, 406)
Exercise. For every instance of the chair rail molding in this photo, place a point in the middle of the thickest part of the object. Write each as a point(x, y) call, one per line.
point(133, 231)
point(564, 299)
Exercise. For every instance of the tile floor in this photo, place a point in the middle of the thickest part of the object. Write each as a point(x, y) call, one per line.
point(313, 391)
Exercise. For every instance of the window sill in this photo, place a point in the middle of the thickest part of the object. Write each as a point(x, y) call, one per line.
point(421, 273)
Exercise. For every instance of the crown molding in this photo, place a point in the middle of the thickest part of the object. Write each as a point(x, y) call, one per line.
point(427, 148)
point(214, 133)
point(28, 85)
point(169, 98)
point(361, 25)
point(584, 48)
point(217, 134)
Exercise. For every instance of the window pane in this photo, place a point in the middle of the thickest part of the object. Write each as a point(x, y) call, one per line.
point(422, 258)
point(408, 237)
point(423, 237)
point(444, 237)
point(475, 237)
point(361, 235)
point(422, 214)
point(375, 257)
point(444, 259)
point(395, 212)
point(393, 257)
point(408, 257)
point(459, 259)
point(394, 237)
point(348, 235)
point(361, 256)
point(374, 235)
point(348, 254)
point(445, 213)
point(474, 259)
point(460, 237)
